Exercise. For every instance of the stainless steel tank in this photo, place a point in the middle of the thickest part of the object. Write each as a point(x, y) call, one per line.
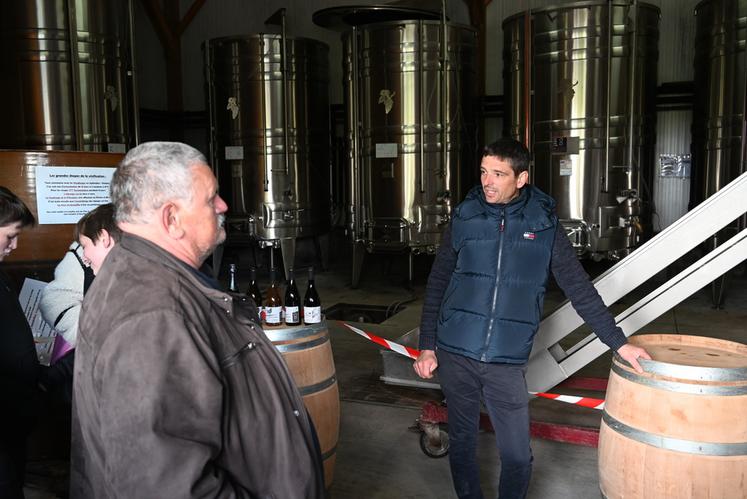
point(270, 134)
point(593, 115)
point(411, 130)
point(66, 78)
point(720, 85)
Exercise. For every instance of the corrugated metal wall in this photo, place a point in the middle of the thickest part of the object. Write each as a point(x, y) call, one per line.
point(673, 128)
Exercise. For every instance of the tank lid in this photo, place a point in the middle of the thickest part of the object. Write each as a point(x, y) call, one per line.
point(344, 17)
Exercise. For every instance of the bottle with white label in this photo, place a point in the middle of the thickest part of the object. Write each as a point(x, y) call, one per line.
point(273, 308)
point(292, 301)
point(312, 305)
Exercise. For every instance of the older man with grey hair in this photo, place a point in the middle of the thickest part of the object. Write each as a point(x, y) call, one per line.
point(178, 393)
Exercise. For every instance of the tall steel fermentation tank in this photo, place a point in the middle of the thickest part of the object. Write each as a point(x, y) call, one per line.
point(593, 115)
point(67, 73)
point(270, 135)
point(411, 130)
point(720, 84)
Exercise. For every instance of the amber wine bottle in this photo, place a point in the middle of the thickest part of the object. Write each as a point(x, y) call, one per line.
point(273, 303)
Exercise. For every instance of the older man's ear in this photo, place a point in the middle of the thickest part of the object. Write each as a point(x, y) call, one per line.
point(171, 221)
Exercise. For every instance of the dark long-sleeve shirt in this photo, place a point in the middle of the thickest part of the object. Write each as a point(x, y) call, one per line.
point(569, 274)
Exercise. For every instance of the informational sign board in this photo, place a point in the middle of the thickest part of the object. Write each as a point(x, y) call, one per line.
point(44, 334)
point(66, 193)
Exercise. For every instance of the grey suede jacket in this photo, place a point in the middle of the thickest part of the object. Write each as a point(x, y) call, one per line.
point(178, 393)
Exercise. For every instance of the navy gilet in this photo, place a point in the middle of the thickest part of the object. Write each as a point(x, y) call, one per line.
point(492, 307)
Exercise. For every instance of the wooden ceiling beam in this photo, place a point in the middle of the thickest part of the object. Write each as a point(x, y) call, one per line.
point(477, 15)
point(190, 15)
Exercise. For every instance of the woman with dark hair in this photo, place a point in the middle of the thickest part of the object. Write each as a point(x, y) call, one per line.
point(19, 366)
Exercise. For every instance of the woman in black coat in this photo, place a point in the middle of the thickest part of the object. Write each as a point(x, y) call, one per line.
point(19, 366)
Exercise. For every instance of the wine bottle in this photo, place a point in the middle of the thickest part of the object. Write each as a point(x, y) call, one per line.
point(253, 291)
point(292, 301)
point(232, 279)
point(273, 303)
point(312, 305)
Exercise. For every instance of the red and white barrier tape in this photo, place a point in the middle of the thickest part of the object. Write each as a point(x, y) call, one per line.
point(570, 399)
point(395, 347)
point(413, 354)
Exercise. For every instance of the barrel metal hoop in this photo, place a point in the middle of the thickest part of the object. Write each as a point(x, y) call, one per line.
point(674, 386)
point(292, 333)
point(293, 347)
point(329, 453)
point(675, 444)
point(317, 387)
point(694, 373)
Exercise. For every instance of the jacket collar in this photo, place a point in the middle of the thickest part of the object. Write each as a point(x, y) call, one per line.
point(532, 204)
point(154, 253)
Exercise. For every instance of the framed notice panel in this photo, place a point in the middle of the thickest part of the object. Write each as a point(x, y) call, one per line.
point(87, 175)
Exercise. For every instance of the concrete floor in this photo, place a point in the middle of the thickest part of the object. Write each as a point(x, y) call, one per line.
point(378, 455)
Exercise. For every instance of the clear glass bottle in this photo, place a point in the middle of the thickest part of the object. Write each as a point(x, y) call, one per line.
point(232, 278)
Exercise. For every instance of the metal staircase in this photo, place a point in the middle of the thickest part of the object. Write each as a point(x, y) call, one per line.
point(549, 363)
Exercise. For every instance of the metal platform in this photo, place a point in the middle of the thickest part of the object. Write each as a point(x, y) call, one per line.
point(398, 369)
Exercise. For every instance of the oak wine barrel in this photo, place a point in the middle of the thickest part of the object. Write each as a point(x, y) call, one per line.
point(308, 353)
point(679, 430)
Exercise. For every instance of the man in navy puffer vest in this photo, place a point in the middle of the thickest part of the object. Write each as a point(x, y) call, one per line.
point(482, 307)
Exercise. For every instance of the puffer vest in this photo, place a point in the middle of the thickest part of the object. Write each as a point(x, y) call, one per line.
point(493, 304)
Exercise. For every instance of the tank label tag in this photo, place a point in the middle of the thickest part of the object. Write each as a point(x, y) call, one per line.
point(386, 150)
point(234, 152)
point(566, 168)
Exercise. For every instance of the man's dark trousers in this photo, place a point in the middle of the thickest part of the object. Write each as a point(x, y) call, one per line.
point(465, 382)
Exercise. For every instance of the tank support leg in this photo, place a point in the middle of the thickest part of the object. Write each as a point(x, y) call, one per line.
point(717, 292)
point(288, 250)
point(319, 255)
point(358, 254)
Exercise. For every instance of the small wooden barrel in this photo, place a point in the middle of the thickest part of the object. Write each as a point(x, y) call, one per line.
point(18, 173)
point(308, 353)
point(680, 429)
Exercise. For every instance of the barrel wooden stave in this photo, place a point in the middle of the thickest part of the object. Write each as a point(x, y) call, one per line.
point(717, 418)
point(664, 408)
point(627, 472)
point(308, 354)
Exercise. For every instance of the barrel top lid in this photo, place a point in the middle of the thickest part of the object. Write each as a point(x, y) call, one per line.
point(696, 351)
point(344, 17)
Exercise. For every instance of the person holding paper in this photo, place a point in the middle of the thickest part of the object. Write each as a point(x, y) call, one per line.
point(19, 366)
point(96, 234)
